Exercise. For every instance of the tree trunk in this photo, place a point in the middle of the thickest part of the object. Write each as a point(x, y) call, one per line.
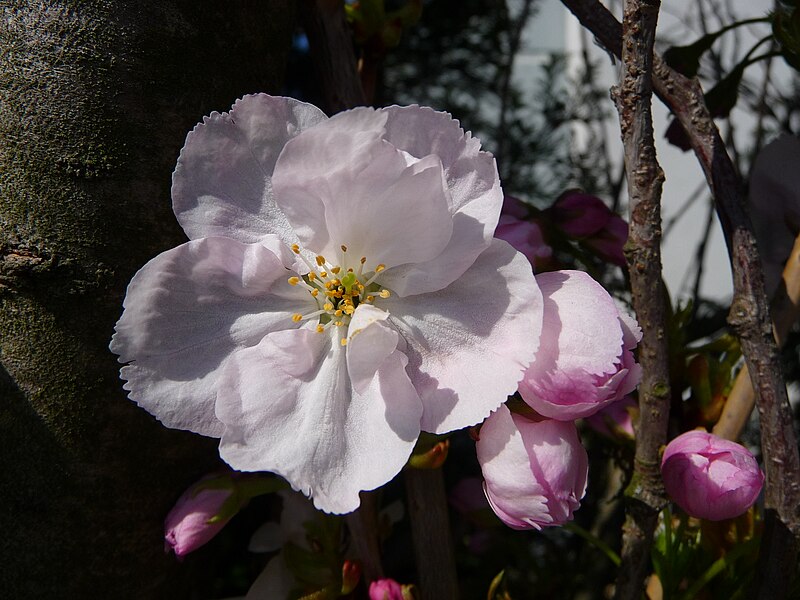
point(96, 98)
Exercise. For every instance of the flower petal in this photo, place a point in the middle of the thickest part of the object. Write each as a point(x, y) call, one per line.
point(469, 344)
point(185, 312)
point(371, 340)
point(340, 183)
point(581, 325)
point(315, 430)
point(221, 185)
point(474, 193)
point(505, 463)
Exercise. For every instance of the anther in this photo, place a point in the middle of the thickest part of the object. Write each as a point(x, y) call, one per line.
point(370, 298)
point(327, 306)
point(294, 280)
point(323, 274)
point(344, 248)
point(296, 248)
point(380, 268)
point(312, 276)
point(335, 270)
point(384, 293)
point(343, 342)
point(320, 329)
point(363, 259)
point(338, 312)
point(320, 260)
point(314, 292)
point(297, 317)
point(338, 323)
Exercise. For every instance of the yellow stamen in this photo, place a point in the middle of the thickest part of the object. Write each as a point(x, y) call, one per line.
point(384, 293)
point(380, 268)
point(349, 270)
point(314, 292)
point(363, 259)
point(296, 248)
point(320, 329)
point(294, 280)
point(312, 276)
point(349, 309)
point(344, 248)
point(327, 306)
point(338, 312)
point(338, 323)
point(323, 274)
point(344, 342)
point(328, 285)
point(370, 298)
point(335, 270)
point(320, 260)
point(297, 317)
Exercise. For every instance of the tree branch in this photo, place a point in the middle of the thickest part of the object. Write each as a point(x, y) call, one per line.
point(645, 496)
point(749, 315)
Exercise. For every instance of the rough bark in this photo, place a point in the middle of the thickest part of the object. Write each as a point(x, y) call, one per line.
point(645, 496)
point(96, 99)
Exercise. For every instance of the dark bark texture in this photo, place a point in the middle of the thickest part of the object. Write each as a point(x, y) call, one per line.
point(645, 496)
point(96, 99)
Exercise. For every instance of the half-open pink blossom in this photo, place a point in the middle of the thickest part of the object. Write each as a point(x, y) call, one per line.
point(341, 291)
point(710, 477)
point(535, 471)
point(584, 361)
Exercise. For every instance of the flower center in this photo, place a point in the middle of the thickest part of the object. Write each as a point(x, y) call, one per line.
point(338, 291)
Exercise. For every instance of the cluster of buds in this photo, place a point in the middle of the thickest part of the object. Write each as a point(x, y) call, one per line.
point(575, 217)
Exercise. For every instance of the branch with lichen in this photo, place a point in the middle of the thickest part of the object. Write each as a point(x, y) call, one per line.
point(749, 314)
point(645, 496)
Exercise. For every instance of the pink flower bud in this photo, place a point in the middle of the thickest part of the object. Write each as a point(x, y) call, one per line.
point(608, 244)
point(196, 516)
point(584, 361)
point(386, 589)
point(709, 477)
point(580, 215)
point(535, 471)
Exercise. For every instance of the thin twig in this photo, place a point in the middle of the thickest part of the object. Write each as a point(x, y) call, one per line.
point(645, 496)
point(749, 314)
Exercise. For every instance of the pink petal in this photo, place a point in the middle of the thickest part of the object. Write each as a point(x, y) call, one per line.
point(186, 311)
point(315, 430)
point(517, 498)
point(469, 343)
point(578, 368)
point(339, 184)
point(221, 185)
point(371, 341)
point(475, 196)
